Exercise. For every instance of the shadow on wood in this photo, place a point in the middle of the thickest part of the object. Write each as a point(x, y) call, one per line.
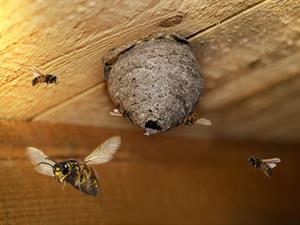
point(152, 180)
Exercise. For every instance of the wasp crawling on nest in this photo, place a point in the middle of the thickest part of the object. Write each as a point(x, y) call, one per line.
point(194, 119)
point(266, 165)
point(40, 77)
point(79, 174)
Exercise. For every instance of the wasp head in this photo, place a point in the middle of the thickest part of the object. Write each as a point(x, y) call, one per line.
point(253, 161)
point(61, 170)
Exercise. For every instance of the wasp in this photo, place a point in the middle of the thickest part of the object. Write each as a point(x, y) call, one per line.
point(79, 174)
point(40, 77)
point(266, 165)
point(193, 119)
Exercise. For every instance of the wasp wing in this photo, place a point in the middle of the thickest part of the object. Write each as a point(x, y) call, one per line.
point(268, 165)
point(203, 121)
point(36, 72)
point(104, 152)
point(272, 165)
point(273, 160)
point(116, 114)
point(36, 157)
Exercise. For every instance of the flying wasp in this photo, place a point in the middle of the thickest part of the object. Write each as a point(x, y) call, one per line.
point(40, 77)
point(79, 174)
point(193, 119)
point(266, 165)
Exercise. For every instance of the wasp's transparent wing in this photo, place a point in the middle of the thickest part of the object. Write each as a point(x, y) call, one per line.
point(36, 157)
point(36, 72)
point(273, 160)
point(203, 121)
point(104, 152)
point(116, 112)
point(272, 165)
point(269, 164)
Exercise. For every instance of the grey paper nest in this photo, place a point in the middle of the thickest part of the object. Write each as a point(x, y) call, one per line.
point(155, 83)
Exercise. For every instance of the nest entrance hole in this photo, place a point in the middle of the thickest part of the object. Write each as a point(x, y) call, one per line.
point(153, 125)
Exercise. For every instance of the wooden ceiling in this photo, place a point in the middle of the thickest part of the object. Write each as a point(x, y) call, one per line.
point(249, 52)
point(151, 180)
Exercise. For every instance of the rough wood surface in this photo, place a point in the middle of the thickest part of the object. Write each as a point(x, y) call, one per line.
point(70, 38)
point(150, 181)
point(254, 39)
point(247, 56)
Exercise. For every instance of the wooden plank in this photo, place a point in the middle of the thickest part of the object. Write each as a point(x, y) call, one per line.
point(268, 115)
point(243, 57)
point(288, 132)
point(94, 114)
point(254, 39)
point(253, 83)
point(152, 180)
point(70, 38)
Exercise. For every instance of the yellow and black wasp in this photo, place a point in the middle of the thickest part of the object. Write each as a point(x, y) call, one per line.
point(79, 174)
point(40, 77)
point(266, 165)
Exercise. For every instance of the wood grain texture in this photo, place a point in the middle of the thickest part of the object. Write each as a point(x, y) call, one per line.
point(245, 60)
point(70, 38)
point(150, 181)
point(267, 115)
point(254, 39)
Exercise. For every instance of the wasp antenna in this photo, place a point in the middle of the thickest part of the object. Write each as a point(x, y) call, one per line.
point(45, 164)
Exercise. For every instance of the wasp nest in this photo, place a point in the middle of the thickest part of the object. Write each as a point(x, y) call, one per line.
point(155, 83)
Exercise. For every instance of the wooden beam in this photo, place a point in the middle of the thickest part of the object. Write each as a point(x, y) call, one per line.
point(152, 180)
point(254, 39)
point(70, 38)
point(96, 113)
point(253, 54)
point(266, 114)
point(253, 84)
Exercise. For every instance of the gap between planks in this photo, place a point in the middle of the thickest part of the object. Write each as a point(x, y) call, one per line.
point(95, 87)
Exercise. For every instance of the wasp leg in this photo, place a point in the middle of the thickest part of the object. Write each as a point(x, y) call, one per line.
point(64, 183)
